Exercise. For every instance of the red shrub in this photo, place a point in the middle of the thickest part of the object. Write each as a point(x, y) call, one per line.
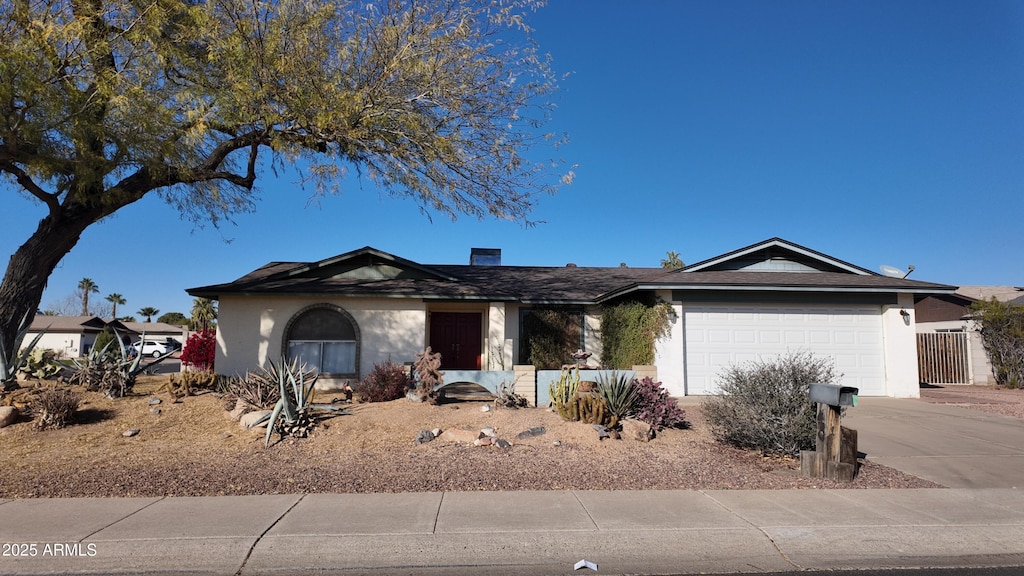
point(199, 350)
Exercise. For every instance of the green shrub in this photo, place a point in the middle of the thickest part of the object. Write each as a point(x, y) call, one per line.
point(387, 381)
point(629, 331)
point(1001, 325)
point(764, 405)
point(550, 336)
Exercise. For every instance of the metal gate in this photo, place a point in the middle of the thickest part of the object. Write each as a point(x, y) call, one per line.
point(944, 358)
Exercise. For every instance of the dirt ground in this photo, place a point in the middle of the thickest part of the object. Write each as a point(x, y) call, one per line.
point(191, 448)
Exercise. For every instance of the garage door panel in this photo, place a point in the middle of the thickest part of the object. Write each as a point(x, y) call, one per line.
point(720, 335)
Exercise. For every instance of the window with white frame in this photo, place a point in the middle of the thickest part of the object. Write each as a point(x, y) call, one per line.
point(326, 338)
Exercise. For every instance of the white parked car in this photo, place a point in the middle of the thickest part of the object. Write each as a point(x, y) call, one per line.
point(153, 348)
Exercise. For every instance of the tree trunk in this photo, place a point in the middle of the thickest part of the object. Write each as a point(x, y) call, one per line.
point(31, 265)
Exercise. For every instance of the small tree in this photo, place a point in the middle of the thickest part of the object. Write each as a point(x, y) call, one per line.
point(1001, 325)
point(199, 350)
point(764, 404)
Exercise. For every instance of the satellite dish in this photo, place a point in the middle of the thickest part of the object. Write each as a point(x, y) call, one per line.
point(894, 272)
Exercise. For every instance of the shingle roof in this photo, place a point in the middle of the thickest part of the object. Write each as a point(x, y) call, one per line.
point(538, 284)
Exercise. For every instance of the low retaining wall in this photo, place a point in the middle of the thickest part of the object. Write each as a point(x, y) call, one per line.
point(534, 384)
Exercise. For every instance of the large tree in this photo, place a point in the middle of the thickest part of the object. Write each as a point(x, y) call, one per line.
point(148, 312)
point(117, 300)
point(86, 286)
point(105, 102)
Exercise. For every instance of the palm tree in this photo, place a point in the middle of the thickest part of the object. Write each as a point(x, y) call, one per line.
point(204, 313)
point(148, 312)
point(115, 299)
point(672, 261)
point(86, 285)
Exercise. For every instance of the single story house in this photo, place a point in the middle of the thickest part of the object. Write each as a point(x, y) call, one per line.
point(74, 336)
point(950, 348)
point(345, 313)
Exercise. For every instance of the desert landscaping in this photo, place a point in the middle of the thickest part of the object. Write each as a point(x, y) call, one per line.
point(137, 446)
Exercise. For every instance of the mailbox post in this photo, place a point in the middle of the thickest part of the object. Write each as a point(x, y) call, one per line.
point(835, 453)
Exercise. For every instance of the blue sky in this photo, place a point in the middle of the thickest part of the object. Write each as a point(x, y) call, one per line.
point(875, 132)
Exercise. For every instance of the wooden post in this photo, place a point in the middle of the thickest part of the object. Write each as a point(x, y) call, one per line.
point(835, 454)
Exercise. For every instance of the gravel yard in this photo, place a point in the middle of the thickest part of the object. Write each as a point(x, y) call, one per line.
point(190, 448)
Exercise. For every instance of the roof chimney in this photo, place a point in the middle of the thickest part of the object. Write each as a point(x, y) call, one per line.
point(485, 257)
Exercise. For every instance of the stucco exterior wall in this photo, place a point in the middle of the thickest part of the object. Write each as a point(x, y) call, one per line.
point(70, 345)
point(669, 354)
point(900, 343)
point(251, 329)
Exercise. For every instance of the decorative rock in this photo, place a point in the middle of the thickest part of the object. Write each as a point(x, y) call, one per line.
point(154, 401)
point(637, 430)
point(412, 396)
point(155, 411)
point(424, 436)
point(489, 432)
point(485, 441)
point(8, 416)
point(250, 419)
point(241, 407)
point(130, 433)
point(460, 436)
point(436, 432)
point(556, 443)
point(485, 408)
point(602, 432)
point(535, 431)
point(502, 443)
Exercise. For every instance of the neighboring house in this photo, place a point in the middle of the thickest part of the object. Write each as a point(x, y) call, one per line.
point(950, 350)
point(157, 331)
point(74, 336)
point(346, 313)
point(71, 336)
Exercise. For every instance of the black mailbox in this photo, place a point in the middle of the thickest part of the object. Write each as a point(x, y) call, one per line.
point(834, 394)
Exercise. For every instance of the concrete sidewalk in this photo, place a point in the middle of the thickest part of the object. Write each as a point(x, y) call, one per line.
point(648, 532)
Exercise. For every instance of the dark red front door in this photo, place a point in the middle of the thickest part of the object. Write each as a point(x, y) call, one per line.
point(456, 335)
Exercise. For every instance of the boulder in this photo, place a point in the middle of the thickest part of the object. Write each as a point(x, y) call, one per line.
point(467, 436)
point(485, 441)
point(637, 430)
point(489, 432)
point(250, 419)
point(502, 443)
point(8, 416)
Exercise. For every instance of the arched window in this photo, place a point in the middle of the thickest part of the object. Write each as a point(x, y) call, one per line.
point(324, 337)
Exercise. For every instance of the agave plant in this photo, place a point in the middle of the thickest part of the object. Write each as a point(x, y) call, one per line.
point(109, 372)
point(292, 415)
point(9, 367)
point(619, 394)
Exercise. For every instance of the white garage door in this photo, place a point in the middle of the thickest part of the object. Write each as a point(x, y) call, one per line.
point(719, 335)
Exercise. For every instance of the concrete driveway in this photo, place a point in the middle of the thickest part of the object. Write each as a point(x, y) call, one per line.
point(953, 446)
